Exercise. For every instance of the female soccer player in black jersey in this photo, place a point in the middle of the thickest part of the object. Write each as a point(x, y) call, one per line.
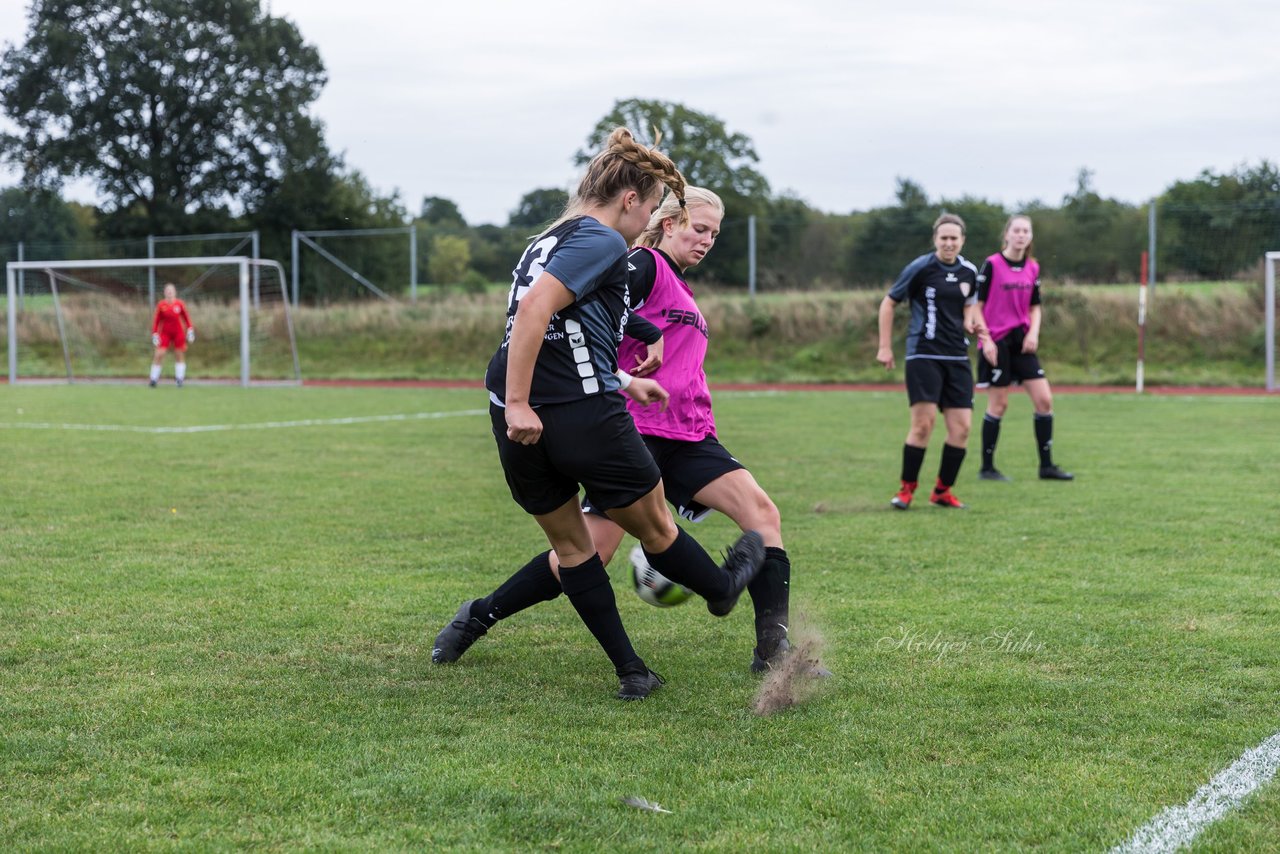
point(942, 289)
point(559, 425)
point(699, 475)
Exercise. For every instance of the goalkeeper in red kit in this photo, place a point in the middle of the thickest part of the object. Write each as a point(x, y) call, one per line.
point(171, 329)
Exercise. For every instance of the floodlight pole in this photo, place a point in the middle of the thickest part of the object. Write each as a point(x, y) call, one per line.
point(751, 255)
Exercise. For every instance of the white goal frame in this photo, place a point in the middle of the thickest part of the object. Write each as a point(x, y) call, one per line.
point(242, 262)
point(1269, 263)
point(299, 238)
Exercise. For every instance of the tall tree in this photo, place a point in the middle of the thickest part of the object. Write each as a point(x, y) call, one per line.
point(700, 144)
point(538, 207)
point(440, 211)
point(1217, 225)
point(1101, 239)
point(709, 155)
point(169, 105)
point(892, 237)
point(40, 219)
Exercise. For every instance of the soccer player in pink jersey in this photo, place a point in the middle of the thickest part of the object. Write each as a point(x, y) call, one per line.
point(699, 475)
point(171, 329)
point(1009, 307)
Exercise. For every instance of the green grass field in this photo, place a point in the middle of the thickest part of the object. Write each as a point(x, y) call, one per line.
point(220, 638)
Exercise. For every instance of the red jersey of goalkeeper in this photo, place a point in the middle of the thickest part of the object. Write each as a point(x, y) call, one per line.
point(172, 323)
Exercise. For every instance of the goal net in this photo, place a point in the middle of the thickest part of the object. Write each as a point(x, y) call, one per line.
point(92, 320)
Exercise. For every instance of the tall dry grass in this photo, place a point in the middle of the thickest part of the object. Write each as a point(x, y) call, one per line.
point(1209, 334)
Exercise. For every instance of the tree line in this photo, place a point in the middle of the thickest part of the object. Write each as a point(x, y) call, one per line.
point(192, 117)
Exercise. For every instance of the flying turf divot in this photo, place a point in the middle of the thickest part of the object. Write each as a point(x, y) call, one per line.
point(792, 680)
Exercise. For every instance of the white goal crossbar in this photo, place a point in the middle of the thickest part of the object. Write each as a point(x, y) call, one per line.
point(244, 263)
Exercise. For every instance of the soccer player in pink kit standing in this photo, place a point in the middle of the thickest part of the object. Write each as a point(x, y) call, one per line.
point(1009, 307)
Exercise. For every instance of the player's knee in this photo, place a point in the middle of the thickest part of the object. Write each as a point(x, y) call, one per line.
point(656, 531)
point(770, 525)
point(762, 516)
point(921, 430)
point(997, 408)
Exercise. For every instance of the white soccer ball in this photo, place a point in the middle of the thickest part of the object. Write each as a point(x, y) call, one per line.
point(652, 586)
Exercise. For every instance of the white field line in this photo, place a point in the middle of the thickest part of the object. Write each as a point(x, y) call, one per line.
point(1175, 827)
point(262, 425)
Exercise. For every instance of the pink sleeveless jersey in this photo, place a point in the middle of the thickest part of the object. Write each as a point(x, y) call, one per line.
point(1008, 304)
point(671, 308)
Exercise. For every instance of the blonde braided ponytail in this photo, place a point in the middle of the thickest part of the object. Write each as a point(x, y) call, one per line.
point(624, 164)
point(650, 161)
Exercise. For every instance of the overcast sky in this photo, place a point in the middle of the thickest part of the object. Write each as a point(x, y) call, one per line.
point(481, 101)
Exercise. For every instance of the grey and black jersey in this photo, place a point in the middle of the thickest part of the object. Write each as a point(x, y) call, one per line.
point(579, 351)
point(938, 293)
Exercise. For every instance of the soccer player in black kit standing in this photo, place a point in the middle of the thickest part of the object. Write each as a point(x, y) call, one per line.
point(559, 424)
point(942, 289)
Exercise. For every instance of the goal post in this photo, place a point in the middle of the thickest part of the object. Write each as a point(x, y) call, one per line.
point(300, 239)
point(92, 319)
point(1269, 296)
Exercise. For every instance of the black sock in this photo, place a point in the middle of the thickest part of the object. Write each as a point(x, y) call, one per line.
point(686, 562)
point(949, 469)
point(532, 583)
point(1044, 438)
point(912, 459)
point(771, 596)
point(990, 435)
point(587, 586)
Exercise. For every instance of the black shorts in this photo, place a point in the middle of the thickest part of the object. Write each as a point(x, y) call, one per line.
point(686, 468)
point(946, 382)
point(1012, 365)
point(592, 442)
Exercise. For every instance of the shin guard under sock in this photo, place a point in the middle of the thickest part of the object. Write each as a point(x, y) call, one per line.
point(949, 469)
point(990, 435)
point(686, 562)
point(771, 597)
point(587, 586)
point(532, 583)
point(1044, 438)
point(912, 460)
